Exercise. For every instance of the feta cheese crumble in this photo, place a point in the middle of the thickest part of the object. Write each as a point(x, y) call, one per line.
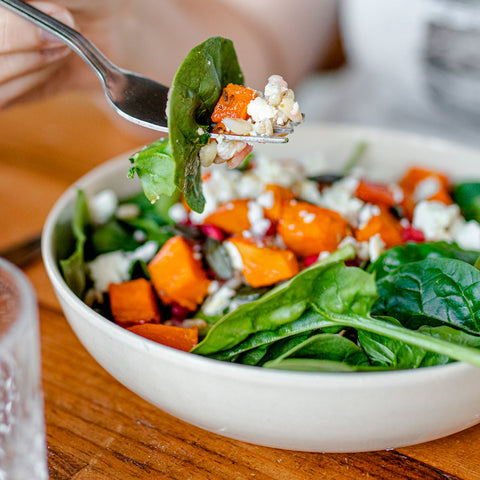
point(114, 267)
point(102, 206)
point(276, 107)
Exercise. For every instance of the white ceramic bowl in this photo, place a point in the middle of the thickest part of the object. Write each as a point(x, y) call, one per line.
point(320, 412)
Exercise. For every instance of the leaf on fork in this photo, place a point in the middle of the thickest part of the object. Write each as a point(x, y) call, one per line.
point(195, 90)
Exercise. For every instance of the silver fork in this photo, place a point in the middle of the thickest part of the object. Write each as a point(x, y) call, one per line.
point(133, 96)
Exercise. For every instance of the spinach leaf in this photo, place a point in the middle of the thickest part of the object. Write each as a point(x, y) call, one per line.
point(432, 292)
point(413, 252)
point(158, 211)
point(351, 310)
point(450, 334)
point(280, 306)
point(252, 357)
point(403, 334)
point(322, 346)
point(344, 289)
point(155, 168)
point(390, 352)
point(112, 236)
point(151, 228)
point(73, 268)
point(309, 321)
point(316, 365)
point(195, 90)
point(284, 348)
point(467, 197)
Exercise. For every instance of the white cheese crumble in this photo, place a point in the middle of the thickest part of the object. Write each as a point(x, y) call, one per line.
point(426, 188)
point(366, 213)
point(178, 213)
point(323, 256)
point(278, 171)
point(340, 197)
point(259, 109)
point(127, 211)
point(114, 267)
point(466, 234)
point(308, 190)
point(102, 206)
point(435, 219)
point(266, 199)
point(220, 300)
point(258, 223)
point(368, 250)
point(274, 89)
point(249, 185)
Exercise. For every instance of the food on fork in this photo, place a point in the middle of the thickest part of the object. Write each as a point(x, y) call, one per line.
point(244, 111)
point(207, 97)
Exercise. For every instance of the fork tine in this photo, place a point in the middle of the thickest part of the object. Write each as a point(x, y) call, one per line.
point(280, 133)
point(252, 138)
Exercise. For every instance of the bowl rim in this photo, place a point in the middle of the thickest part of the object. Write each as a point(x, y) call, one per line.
point(213, 366)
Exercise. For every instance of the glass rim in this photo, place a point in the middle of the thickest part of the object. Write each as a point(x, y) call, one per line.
point(27, 302)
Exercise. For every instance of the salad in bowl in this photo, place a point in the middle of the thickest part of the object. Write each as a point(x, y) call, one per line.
point(259, 293)
point(274, 263)
point(287, 268)
point(285, 397)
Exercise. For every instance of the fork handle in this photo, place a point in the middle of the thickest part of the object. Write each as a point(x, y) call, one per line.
point(75, 40)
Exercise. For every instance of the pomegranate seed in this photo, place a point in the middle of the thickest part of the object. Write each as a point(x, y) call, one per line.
point(310, 260)
point(179, 312)
point(213, 232)
point(410, 234)
point(271, 231)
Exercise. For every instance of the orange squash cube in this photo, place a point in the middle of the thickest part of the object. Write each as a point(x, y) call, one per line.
point(263, 266)
point(231, 217)
point(133, 302)
point(177, 275)
point(308, 229)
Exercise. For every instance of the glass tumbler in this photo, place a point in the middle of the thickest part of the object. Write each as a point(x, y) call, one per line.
point(22, 432)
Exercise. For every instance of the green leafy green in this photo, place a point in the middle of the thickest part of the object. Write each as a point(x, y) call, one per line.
point(322, 346)
point(151, 228)
point(433, 292)
point(317, 365)
point(112, 236)
point(412, 252)
point(158, 211)
point(73, 267)
point(173, 163)
point(195, 90)
point(309, 321)
point(155, 168)
point(467, 197)
point(393, 353)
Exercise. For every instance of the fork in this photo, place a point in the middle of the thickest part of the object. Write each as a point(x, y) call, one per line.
point(133, 96)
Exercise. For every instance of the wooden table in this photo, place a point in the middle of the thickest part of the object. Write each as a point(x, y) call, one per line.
point(96, 428)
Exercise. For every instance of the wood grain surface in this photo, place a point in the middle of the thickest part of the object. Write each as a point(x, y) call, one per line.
point(96, 428)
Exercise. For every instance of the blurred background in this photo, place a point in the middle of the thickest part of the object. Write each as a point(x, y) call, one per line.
point(411, 65)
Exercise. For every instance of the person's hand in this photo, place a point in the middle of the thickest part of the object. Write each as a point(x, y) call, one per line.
point(29, 57)
point(34, 64)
